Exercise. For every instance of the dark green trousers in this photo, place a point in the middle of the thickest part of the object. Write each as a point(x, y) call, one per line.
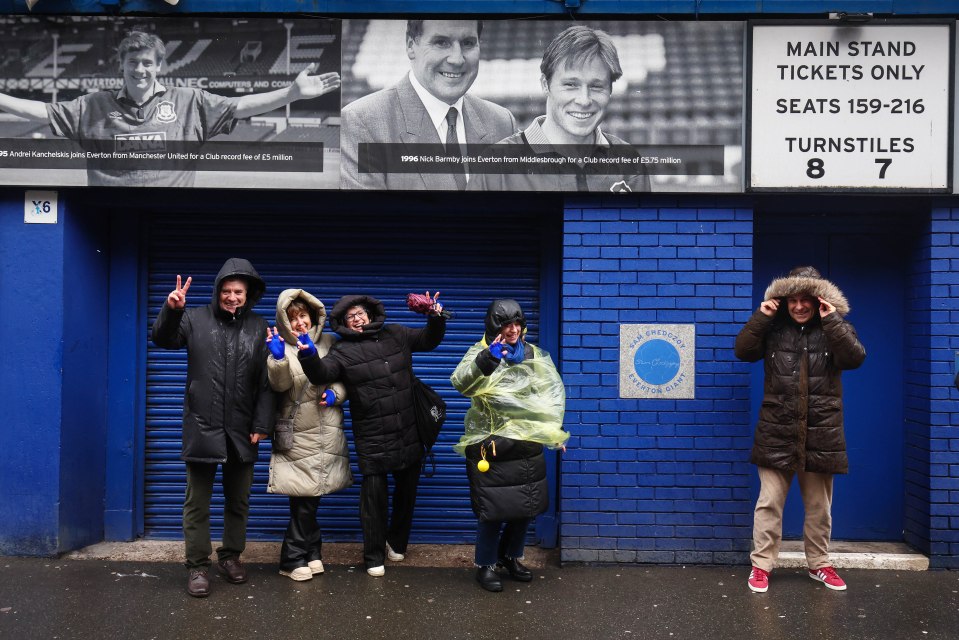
point(237, 478)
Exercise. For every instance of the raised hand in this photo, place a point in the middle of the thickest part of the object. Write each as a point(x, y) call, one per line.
point(276, 344)
point(310, 86)
point(306, 346)
point(436, 308)
point(769, 307)
point(177, 297)
point(825, 307)
point(499, 347)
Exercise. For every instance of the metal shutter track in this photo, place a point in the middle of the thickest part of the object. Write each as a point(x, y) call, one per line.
point(386, 256)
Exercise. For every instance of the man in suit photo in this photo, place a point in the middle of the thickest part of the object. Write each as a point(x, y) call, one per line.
point(430, 105)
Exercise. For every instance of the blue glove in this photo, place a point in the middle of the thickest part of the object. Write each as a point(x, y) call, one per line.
point(499, 349)
point(328, 397)
point(277, 347)
point(310, 350)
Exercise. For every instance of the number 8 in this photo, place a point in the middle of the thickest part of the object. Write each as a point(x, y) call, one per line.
point(814, 168)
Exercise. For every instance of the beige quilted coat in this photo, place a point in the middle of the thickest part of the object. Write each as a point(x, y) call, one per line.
point(319, 462)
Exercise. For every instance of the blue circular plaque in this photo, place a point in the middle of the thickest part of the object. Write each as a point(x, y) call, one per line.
point(656, 362)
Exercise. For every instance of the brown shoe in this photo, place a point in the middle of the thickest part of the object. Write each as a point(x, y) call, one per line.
point(233, 570)
point(198, 584)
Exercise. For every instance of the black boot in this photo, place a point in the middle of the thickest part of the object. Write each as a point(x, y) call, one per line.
point(488, 579)
point(516, 569)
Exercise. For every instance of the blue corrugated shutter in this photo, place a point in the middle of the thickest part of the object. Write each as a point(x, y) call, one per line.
point(469, 260)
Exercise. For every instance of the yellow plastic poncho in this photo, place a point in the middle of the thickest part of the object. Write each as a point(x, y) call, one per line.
point(524, 401)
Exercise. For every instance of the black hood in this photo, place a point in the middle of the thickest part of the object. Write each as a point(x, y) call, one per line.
point(374, 308)
point(240, 268)
point(500, 313)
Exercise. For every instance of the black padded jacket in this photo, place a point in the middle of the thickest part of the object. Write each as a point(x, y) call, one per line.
point(374, 365)
point(227, 394)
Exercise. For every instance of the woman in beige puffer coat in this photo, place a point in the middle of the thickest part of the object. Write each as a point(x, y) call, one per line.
point(318, 463)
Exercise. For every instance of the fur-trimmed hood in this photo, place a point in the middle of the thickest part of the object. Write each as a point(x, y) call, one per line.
point(806, 280)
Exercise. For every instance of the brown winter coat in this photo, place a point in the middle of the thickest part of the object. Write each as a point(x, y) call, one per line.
point(800, 423)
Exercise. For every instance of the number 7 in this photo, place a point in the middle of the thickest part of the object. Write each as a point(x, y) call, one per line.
point(885, 162)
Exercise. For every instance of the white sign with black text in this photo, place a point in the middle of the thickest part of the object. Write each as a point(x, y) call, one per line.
point(850, 106)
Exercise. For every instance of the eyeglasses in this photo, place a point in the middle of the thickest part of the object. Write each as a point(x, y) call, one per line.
point(355, 315)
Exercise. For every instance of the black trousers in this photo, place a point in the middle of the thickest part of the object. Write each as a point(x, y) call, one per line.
point(303, 541)
point(373, 513)
point(237, 478)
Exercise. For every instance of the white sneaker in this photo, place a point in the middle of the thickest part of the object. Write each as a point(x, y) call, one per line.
point(299, 574)
point(376, 572)
point(392, 555)
point(316, 566)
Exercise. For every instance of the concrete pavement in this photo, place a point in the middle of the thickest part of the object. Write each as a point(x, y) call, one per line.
point(73, 598)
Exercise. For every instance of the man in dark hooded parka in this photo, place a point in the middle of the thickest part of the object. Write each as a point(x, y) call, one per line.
point(228, 408)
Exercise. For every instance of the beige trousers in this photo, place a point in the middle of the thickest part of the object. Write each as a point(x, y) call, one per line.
point(816, 490)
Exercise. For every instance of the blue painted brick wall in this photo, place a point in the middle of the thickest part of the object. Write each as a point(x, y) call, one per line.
point(932, 440)
point(657, 481)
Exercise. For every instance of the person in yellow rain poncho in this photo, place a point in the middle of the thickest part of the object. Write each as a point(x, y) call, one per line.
point(518, 402)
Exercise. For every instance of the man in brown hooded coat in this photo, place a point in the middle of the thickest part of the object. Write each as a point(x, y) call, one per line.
point(800, 333)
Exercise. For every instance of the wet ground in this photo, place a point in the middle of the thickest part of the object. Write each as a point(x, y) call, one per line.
point(70, 598)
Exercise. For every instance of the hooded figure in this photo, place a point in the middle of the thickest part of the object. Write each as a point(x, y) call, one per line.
point(227, 409)
point(805, 342)
point(518, 395)
point(800, 360)
point(318, 463)
point(374, 362)
point(227, 394)
point(517, 403)
point(375, 366)
point(501, 313)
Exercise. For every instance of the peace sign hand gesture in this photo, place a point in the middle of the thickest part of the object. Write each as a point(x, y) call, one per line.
point(177, 297)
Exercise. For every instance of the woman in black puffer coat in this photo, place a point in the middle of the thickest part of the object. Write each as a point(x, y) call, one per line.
point(373, 361)
point(517, 407)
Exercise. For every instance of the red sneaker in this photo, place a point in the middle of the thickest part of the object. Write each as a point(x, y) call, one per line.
point(829, 577)
point(758, 580)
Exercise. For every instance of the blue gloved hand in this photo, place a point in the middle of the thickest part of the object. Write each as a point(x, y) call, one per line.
point(310, 350)
point(328, 399)
point(500, 349)
point(277, 346)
